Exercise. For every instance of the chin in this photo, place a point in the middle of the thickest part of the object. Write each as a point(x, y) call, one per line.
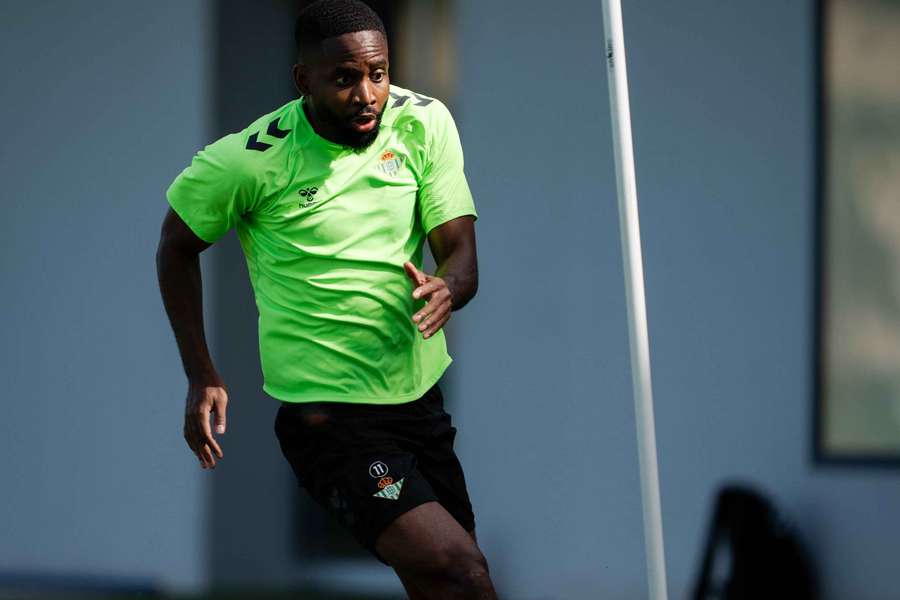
point(361, 141)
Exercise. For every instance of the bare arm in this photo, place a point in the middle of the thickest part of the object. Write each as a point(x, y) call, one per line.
point(181, 287)
point(456, 280)
point(453, 247)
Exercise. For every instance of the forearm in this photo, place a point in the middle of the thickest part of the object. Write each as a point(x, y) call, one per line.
point(460, 270)
point(181, 287)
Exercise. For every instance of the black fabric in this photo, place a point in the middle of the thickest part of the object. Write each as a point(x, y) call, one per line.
point(344, 454)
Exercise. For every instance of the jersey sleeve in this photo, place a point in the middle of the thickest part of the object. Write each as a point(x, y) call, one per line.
point(443, 190)
point(214, 191)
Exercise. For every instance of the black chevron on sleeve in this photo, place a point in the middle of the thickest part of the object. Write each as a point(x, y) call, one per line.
point(274, 131)
point(398, 99)
point(253, 143)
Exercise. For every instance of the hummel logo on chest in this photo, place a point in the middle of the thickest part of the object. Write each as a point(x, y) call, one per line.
point(307, 196)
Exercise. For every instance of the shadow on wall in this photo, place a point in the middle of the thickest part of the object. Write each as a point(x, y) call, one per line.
point(751, 553)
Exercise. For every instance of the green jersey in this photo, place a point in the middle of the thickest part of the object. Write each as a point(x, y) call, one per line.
point(325, 230)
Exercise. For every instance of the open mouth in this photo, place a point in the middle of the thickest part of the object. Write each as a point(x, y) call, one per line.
point(364, 123)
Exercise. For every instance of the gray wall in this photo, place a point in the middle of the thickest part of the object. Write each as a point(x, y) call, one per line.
point(103, 104)
point(722, 97)
point(251, 524)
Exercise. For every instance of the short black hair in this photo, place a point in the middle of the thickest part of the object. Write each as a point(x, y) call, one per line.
point(329, 18)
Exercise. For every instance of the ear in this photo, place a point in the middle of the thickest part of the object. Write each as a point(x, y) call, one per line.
point(301, 78)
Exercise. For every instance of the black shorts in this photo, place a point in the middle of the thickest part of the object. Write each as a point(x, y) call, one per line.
point(367, 464)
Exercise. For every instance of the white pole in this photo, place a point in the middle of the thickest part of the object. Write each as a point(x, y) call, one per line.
point(634, 291)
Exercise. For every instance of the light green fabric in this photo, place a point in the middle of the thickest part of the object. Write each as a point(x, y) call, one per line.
point(325, 231)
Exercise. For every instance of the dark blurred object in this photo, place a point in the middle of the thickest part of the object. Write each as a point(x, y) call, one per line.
point(54, 590)
point(751, 555)
point(52, 586)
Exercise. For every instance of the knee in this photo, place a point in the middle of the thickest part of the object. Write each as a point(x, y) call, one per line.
point(466, 571)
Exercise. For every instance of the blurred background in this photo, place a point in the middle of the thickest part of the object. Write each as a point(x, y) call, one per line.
point(762, 378)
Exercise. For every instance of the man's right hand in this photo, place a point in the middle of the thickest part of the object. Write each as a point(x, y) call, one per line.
point(202, 400)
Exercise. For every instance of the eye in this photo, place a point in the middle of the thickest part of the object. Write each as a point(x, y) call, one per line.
point(343, 80)
point(378, 76)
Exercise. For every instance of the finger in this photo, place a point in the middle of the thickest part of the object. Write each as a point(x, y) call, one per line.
point(190, 434)
point(433, 311)
point(210, 441)
point(426, 310)
point(433, 329)
point(417, 276)
point(207, 458)
point(429, 288)
point(432, 319)
point(220, 405)
point(193, 433)
point(206, 433)
point(185, 432)
point(437, 299)
point(200, 456)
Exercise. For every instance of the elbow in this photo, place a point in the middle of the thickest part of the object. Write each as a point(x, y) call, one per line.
point(165, 239)
point(162, 256)
point(160, 248)
point(164, 247)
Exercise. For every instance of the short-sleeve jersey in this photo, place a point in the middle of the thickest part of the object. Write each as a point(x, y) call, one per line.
point(325, 230)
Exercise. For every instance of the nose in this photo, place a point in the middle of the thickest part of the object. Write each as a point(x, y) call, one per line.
point(365, 92)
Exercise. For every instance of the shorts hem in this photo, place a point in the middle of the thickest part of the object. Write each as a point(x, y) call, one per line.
point(377, 531)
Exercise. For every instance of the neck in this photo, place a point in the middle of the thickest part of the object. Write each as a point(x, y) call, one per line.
point(319, 126)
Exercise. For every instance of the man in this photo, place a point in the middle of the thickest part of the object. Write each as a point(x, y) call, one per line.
point(332, 196)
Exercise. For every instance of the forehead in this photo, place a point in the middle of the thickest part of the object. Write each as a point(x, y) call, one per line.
point(359, 46)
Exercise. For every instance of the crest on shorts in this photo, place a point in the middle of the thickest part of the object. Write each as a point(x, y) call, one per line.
point(391, 490)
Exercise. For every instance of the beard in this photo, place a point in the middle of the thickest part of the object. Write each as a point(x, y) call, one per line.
point(359, 141)
point(343, 132)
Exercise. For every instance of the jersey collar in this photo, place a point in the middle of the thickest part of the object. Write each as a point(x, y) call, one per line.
point(312, 137)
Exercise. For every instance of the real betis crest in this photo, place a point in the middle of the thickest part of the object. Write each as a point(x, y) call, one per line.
point(390, 163)
point(390, 491)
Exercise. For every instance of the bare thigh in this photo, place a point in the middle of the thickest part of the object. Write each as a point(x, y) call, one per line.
point(412, 592)
point(435, 557)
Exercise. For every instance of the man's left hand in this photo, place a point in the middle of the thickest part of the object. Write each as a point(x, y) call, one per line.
point(436, 312)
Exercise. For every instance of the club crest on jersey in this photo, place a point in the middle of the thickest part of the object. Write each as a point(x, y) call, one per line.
point(390, 163)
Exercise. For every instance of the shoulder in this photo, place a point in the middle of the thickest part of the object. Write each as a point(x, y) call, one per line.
point(244, 150)
point(416, 113)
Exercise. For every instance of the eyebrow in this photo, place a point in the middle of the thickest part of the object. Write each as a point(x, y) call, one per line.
point(352, 64)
